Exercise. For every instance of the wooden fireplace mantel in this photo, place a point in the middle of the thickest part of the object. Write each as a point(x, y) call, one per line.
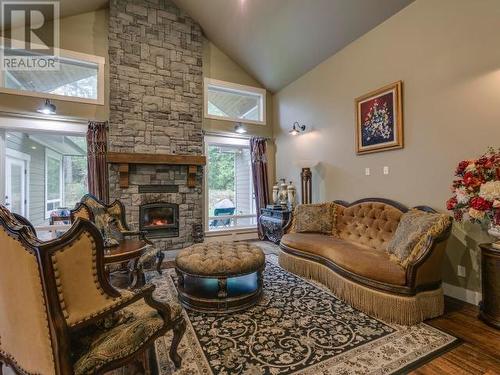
point(124, 159)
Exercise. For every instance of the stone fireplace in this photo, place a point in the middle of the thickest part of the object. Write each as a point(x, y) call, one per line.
point(155, 60)
point(159, 219)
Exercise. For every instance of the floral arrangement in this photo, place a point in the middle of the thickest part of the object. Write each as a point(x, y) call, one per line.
point(377, 123)
point(476, 191)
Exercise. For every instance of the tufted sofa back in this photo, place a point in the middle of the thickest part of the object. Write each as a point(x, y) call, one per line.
point(368, 223)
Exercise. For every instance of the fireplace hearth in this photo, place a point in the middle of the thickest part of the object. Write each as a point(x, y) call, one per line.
point(160, 220)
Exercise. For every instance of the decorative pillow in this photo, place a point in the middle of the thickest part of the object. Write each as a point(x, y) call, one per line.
point(315, 218)
point(107, 226)
point(412, 233)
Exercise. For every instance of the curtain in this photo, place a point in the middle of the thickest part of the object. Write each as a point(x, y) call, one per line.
point(97, 145)
point(259, 173)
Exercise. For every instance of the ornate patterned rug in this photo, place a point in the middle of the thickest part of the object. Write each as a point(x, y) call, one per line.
point(300, 328)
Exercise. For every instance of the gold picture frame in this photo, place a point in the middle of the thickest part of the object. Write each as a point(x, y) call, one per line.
point(379, 119)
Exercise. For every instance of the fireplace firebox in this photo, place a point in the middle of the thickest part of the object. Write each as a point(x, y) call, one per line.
point(159, 219)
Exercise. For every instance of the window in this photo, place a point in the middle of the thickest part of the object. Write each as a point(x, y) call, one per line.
point(230, 200)
point(80, 77)
point(233, 102)
point(53, 182)
point(43, 172)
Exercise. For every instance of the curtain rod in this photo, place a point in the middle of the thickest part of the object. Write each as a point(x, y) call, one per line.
point(232, 135)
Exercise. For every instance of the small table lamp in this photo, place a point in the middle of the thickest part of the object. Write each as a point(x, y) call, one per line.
point(306, 179)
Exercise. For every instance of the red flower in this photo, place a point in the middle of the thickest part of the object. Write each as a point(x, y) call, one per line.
point(471, 181)
point(480, 204)
point(458, 215)
point(451, 203)
point(461, 167)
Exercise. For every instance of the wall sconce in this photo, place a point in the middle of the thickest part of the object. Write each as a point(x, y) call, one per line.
point(47, 108)
point(239, 128)
point(297, 129)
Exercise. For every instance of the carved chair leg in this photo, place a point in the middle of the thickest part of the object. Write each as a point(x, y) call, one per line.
point(179, 329)
point(161, 256)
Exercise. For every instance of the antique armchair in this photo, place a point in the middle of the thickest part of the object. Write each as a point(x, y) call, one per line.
point(111, 222)
point(58, 312)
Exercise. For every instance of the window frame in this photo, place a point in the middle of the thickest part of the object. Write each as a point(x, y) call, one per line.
point(65, 55)
point(235, 87)
point(225, 141)
point(54, 155)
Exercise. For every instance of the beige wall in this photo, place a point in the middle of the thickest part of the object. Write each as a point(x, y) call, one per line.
point(87, 33)
point(448, 56)
point(218, 65)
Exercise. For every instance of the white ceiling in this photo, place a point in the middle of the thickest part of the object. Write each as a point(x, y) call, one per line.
point(277, 41)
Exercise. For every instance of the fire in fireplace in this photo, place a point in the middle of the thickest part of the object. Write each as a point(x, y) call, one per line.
point(159, 219)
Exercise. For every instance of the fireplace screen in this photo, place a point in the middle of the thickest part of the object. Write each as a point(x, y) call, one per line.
point(159, 219)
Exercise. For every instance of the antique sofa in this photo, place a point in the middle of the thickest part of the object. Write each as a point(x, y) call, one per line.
point(354, 263)
point(58, 312)
point(111, 222)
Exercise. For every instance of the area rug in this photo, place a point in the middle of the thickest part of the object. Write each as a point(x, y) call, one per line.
point(299, 327)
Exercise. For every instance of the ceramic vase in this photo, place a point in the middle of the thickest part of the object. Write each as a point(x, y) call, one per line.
point(276, 190)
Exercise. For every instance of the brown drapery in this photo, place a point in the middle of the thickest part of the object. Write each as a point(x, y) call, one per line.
point(97, 146)
point(259, 173)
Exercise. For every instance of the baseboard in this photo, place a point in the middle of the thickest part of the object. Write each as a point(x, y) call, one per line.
point(231, 236)
point(466, 295)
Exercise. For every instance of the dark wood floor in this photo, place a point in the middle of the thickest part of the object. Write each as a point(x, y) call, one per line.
point(480, 351)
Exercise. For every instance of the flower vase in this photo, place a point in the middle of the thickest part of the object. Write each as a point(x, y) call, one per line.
point(494, 231)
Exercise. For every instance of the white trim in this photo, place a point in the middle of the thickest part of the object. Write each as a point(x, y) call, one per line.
point(54, 155)
point(21, 123)
point(14, 154)
point(17, 154)
point(65, 55)
point(235, 87)
point(466, 295)
point(232, 235)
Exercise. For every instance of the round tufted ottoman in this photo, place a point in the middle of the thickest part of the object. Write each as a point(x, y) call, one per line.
point(220, 276)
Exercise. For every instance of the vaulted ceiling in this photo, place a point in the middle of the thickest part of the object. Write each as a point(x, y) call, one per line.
point(277, 41)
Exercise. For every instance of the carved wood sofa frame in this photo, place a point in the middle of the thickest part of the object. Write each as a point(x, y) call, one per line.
point(59, 329)
point(418, 279)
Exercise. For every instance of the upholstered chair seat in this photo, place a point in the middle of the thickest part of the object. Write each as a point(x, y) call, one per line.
point(118, 339)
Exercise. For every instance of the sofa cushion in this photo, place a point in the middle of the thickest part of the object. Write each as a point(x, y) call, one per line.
point(359, 259)
point(371, 223)
point(413, 229)
point(314, 218)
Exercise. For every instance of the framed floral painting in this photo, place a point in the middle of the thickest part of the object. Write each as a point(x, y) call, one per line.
point(379, 119)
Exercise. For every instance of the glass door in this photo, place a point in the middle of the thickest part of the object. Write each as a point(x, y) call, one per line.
point(15, 187)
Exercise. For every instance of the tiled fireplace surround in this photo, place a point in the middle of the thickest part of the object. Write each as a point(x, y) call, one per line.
point(155, 58)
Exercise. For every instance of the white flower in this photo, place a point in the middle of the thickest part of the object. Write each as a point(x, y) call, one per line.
point(462, 196)
point(490, 190)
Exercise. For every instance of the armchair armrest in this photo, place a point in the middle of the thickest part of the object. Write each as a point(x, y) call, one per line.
point(426, 270)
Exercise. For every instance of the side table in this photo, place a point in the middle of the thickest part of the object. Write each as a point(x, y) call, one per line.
point(273, 221)
point(489, 308)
